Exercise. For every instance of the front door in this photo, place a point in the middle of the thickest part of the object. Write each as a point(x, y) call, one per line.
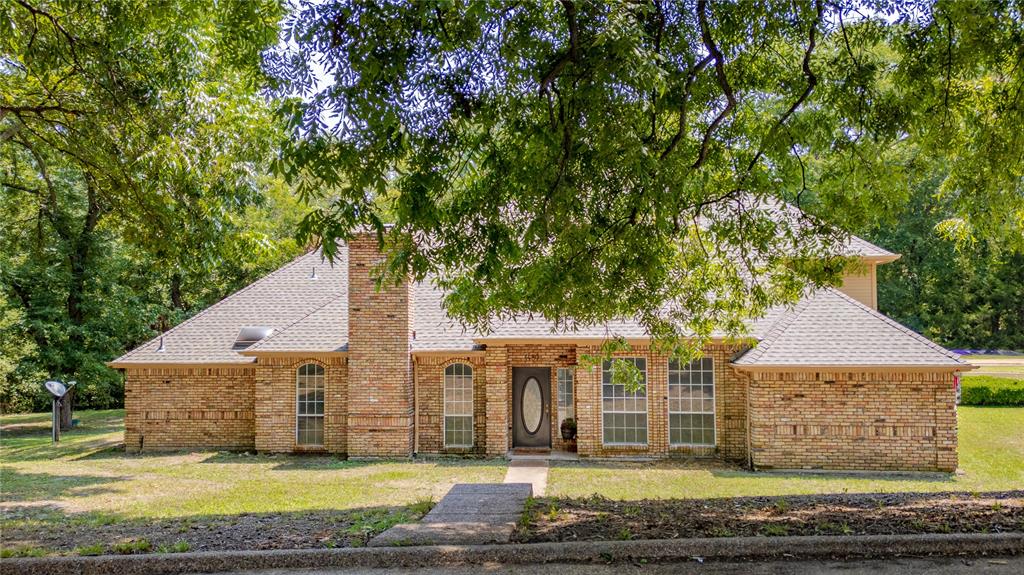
point(531, 407)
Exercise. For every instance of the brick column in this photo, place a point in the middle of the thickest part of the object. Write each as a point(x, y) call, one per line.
point(380, 402)
point(657, 402)
point(588, 406)
point(945, 423)
point(497, 409)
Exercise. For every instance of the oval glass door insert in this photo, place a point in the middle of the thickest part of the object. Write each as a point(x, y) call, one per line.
point(533, 405)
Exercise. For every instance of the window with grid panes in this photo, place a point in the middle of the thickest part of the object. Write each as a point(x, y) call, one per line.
point(566, 407)
point(458, 405)
point(624, 414)
point(691, 402)
point(309, 405)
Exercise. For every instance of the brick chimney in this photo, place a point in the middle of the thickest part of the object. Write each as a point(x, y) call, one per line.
point(380, 393)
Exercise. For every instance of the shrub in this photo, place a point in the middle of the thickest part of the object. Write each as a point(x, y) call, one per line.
point(132, 547)
point(988, 390)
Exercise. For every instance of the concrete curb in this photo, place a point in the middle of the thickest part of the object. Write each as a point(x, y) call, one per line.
point(726, 548)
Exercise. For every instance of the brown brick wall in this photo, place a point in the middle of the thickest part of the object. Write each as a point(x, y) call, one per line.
point(730, 408)
point(869, 421)
point(380, 402)
point(498, 409)
point(493, 400)
point(189, 408)
point(430, 403)
point(552, 356)
point(275, 391)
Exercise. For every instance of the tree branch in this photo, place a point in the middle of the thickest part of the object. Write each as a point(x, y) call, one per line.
point(572, 55)
point(723, 81)
point(691, 77)
point(41, 109)
point(812, 81)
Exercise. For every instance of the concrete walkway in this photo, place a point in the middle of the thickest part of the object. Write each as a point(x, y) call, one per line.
point(470, 514)
point(532, 471)
point(474, 513)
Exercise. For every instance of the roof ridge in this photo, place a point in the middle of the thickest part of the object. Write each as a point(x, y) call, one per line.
point(777, 329)
point(209, 309)
point(291, 325)
point(895, 324)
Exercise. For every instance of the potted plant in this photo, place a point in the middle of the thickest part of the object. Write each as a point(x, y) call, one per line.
point(569, 429)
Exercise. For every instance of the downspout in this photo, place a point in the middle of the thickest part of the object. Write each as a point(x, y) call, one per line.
point(750, 450)
point(415, 412)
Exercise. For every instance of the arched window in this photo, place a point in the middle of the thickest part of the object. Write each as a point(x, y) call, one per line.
point(309, 405)
point(458, 405)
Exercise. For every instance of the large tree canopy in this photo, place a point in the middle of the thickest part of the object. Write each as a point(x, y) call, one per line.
point(134, 162)
point(586, 160)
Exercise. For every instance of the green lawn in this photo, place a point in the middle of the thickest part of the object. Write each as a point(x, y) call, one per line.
point(991, 458)
point(88, 476)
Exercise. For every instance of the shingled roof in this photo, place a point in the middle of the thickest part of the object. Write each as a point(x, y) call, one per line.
point(310, 315)
point(278, 301)
point(829, 328)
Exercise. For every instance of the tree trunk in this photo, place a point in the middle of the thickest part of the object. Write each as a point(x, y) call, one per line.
point(65, 410)
point(79, 257)
point(177, 299)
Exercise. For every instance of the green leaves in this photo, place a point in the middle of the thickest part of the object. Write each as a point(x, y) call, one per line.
point(589, 161)
point(134, 152)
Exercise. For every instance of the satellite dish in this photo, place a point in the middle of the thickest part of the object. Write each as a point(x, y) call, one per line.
point(56, 388)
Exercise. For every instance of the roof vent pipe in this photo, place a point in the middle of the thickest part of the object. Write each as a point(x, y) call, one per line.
point(313, 275)
point(161, 347)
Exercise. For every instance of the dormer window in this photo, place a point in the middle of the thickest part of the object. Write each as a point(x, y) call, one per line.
point(250, 335)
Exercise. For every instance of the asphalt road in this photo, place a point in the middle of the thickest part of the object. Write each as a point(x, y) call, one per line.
point(930, 566)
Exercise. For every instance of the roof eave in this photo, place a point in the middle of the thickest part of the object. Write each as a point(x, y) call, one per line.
point(140, 364)
point(902, 367)
point(882, 259)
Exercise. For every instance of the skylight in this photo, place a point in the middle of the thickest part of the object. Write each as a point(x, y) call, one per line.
point(250, 335)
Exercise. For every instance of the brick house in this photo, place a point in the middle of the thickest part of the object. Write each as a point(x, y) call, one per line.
point(312, 358)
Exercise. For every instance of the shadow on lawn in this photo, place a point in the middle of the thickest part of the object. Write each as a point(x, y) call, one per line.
point(27, 487)
point(244, 531)
point(320, 461)
point(727, 470)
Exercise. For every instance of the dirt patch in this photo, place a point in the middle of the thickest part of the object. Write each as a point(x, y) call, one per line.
point(598, 519)
point(95, 535)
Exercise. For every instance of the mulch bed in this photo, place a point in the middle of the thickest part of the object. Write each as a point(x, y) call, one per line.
point(600, 519)
point(302, 530)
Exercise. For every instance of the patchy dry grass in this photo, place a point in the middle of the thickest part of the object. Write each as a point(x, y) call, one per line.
point(89, 485)
point(991, 458)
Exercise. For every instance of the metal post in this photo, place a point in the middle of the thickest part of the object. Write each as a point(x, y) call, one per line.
point(56, 420)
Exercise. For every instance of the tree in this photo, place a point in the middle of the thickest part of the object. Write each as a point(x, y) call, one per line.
point(134, 148)
point(589, 160)
point(965, 296)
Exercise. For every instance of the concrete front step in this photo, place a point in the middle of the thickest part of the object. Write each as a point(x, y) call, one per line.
point(470, 514)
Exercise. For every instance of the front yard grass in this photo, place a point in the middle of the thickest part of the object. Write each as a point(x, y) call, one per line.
point(90, 488)
point(991, 459)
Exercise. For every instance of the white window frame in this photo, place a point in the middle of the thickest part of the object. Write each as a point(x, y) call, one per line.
point(606, 368)
point(566, 382)
point(318, 379)
point(450, 375)
point(688, 369)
